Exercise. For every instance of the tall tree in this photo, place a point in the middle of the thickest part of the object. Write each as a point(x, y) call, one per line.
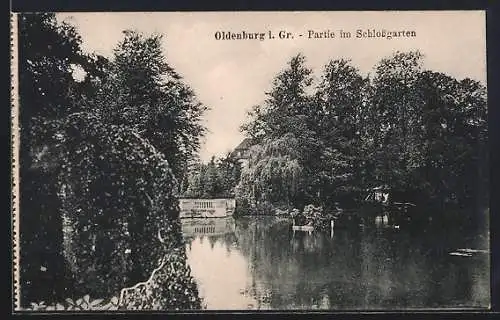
point(429, 132)
point(274, 173)
point(454, 138)
point(341, 96)
point(212, 178)
point(230, 172)
point(49, 54)
point(215, 179)
point(108, 185)
point(397, 104)
point(287, 113)
point(146, 94)
point(286, 103)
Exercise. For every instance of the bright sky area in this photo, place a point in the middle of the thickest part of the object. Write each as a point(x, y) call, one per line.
point(232, 76)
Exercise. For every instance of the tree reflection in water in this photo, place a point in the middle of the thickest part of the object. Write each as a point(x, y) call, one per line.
point(260, 263)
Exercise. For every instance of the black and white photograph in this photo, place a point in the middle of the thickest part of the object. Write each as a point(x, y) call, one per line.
point(250, 161)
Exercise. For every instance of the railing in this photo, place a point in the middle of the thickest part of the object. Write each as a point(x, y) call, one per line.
point(204, 205)
point(206, 229)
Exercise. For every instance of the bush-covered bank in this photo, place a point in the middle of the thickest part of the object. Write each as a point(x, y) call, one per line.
point(113, 236)
point(407, 217)
point(102, 151)
point(309, 215)
point(169, 287)
point(114, 209)
point(110, 231)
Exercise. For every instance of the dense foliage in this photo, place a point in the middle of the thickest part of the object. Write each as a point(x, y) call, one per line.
point(143, 92)
point(97, 187)
point(421, 133)
point(274, 173)
point(170, 287)
point(215, 179)
point(48, 54)
point(117, 194)
point(107, 144)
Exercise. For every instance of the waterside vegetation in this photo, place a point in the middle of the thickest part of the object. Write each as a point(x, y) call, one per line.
point(104, 144)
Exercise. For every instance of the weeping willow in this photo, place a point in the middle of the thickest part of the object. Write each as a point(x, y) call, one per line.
point(274, 172)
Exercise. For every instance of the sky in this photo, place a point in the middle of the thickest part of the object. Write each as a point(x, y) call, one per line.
point(230, 76)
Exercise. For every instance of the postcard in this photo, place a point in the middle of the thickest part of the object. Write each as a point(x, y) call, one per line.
point(243, 161)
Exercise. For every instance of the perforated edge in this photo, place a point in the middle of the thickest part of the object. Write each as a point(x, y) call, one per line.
point(15, 131)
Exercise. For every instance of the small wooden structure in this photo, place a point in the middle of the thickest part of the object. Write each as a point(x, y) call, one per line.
point(378, 194)
point(303, 228)
point(307, 228)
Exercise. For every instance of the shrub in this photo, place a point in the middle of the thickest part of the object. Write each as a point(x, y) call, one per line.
point(170, 287)
point(117, 193)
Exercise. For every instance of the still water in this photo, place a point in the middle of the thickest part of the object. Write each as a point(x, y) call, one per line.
point(260, 263)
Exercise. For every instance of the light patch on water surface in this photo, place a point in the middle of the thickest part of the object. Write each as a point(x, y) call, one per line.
point(222, 275)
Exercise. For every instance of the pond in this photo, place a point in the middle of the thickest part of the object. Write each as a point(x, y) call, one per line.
point(260, 263)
